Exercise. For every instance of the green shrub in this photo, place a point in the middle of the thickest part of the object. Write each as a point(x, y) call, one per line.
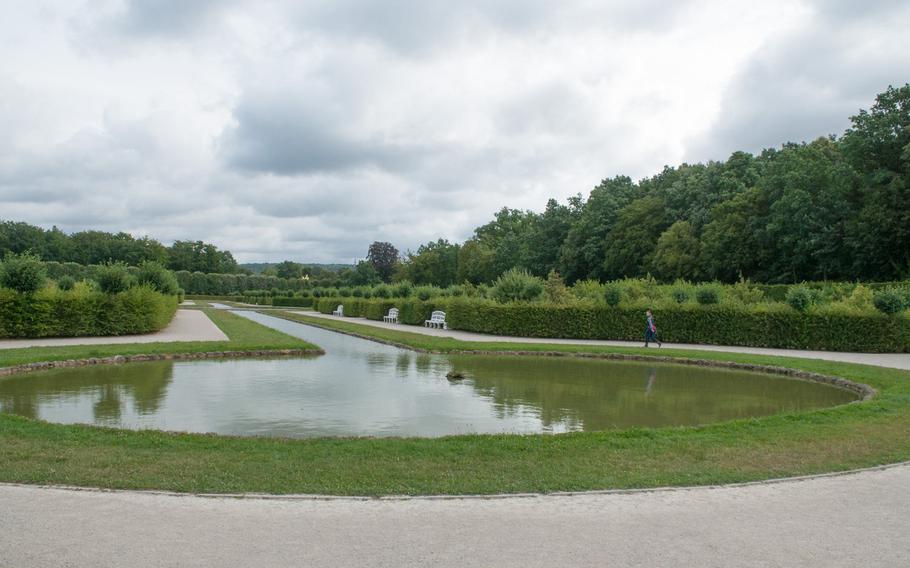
point(114, 278)
point(800, 298)
point(83, 311)
point(861, 298)
point(588, 290)
point(707, 295)
point(424, 293)
point(680, 295)
point(555, 289)
point(158, 278)
point(517, 285)
point(66, 283)
point(632, 289)
point(382, 291)
point(23, 273)
point(650, 288)
point(612, 294)
point(403, 289)
point(889, 301)
point(745, 292)
point(296, 302)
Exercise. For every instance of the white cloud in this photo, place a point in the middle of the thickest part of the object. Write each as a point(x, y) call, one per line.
point(307, 130)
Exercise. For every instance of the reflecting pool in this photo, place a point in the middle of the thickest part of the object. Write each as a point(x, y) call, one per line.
point(363, 388)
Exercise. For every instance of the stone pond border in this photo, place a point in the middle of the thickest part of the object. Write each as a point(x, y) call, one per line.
point(120, 359)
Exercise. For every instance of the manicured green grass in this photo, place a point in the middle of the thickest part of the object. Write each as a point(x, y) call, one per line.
point(243, 333)
point(851, 436)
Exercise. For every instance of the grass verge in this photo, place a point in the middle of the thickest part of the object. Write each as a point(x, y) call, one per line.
point(244, 335)
point(836, 439)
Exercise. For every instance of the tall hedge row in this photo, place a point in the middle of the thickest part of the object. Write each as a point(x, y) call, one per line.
point(768, 325)
point(79, 313)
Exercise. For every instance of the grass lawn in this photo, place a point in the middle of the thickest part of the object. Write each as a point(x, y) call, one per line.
point(851, 436)
point(243, 333)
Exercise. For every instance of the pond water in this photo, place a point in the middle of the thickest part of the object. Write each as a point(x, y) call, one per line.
point(363, 388)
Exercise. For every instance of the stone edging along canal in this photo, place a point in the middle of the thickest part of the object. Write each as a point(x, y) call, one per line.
point(120, 359)
point(864, 391)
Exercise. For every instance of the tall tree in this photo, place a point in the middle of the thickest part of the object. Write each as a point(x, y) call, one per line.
point(434, 263)
point(878, 147)
point(582, 253)
point(475, 263)
point(631, 242)
point(547, 234)
point(677, 252)
point(732, 242)
point(383, 256)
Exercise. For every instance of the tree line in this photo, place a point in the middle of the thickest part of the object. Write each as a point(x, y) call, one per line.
point(837, 208)
point(97, 247)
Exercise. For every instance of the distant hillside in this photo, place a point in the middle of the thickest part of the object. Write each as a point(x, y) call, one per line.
point(258, 267)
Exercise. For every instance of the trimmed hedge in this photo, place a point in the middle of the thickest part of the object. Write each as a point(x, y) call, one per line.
point(81, 313)
point(763, 325)
point(293, 302)
point(411, 311)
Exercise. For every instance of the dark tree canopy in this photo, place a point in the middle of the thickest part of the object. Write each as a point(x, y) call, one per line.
point(383, 256)
point(97, 247)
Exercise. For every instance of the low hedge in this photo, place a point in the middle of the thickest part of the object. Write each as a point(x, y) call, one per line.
point(411, 311)
point(762, 325)
point(80, 313)
point(293, 302)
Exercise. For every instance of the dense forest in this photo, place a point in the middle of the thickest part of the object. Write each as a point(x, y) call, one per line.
point(837, 208)
point(96, 247)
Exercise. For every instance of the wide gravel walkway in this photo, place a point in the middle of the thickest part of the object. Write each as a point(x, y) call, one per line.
point(892, 360)
point(187, 325)
point(850, 521)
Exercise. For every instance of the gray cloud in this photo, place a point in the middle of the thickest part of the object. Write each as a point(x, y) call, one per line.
point(306, 130)
point(159, 18)
point(809, 81)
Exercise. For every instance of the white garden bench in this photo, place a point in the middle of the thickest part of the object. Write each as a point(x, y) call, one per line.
point(437, 320)
point(339, 311)
point(392, 317)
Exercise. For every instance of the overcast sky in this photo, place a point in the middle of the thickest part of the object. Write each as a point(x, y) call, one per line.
point(307, 130)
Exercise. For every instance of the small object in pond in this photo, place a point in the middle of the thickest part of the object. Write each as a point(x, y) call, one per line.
point(454, 375)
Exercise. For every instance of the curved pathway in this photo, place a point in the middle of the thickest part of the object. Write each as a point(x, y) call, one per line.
point(187, 325)
point(847, 520)
point(892, 360)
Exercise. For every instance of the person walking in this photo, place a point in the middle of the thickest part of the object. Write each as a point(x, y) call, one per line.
point(651, 330)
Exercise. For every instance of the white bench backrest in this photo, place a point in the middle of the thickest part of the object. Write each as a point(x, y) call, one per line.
point(438, 316)
point(339, 308)
point(393, 312)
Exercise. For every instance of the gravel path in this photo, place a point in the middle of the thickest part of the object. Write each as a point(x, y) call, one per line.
point(851, 520)
point(893, 360)
point(187, 325)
